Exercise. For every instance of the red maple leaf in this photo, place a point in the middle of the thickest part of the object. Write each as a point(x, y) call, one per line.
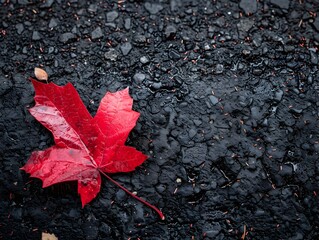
point(85, 147)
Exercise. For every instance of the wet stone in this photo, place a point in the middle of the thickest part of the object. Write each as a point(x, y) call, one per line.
point(244, 26)
point(144, 60)
point(53, 23)
point(120, 195)
point(305, 146)
point(197, 122)
point(192, 133)
point(157, 85)
point(310, 79)
point(139, 214)
point(151, 178)
point(75, 30)
point(105, 229)
point(74, 213)
point(47, 4)
point(175, 4)
point(219, 69)
point(255, 113)
point(36, 35)
point(257, 71)
point(241, 66)
point(126, 48)
point(278, 95)
point(306, 16)
point(4, 24)
point(207, 47)
point(139, 77)
point(174, 55)
point(67, 37)
point(293, 65)
point(252, 164)
point(50, 50)
point(127, 23)
point(111, 25)
point(189, 11)
point(111, 16)
point(289, 121)
point(196, 154)
point(246, 52)
point(220, 22)
point(257, 40)
point(167, 176)
point(25, 50)
point(185, 190)
point(183, 139)
point(295, 110)
point(19, 28)
point(286, 170)
point(139, 39)
point(160, 188)
point(313, 56)
point(38, 214)
point(248, 6)
point(214, 100)
point(214, 231)
point(97, 33)
point(111, 54)
point(153, 8)
point(23, 2)
point(283, 4)
point(170, 31)
point(296, 90)
point(222, 39)
point(316, 24)
point(92, 8)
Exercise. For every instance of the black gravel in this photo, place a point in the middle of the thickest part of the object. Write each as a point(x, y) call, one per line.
point(228, 96)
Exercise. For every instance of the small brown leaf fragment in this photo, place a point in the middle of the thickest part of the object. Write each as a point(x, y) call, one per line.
point(40, 74)
point(244, 233)
point(48, 236)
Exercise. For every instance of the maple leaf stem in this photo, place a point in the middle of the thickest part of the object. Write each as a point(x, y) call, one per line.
point(134, 196)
